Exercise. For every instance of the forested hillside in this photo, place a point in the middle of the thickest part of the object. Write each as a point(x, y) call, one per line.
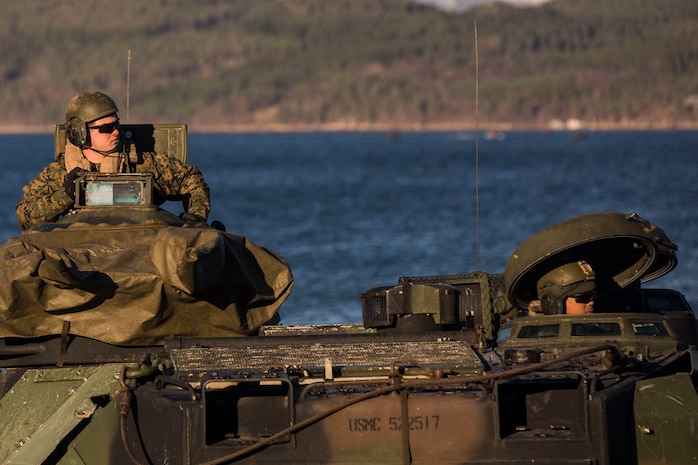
point(344, 64)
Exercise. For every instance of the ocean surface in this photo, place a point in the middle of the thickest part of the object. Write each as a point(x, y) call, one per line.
point(351, 211)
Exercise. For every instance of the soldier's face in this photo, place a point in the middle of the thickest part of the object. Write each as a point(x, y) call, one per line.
point(104, 133)
point(578, 308)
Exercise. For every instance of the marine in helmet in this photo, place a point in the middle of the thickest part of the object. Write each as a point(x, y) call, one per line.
point(94, 144)
point(569, 289)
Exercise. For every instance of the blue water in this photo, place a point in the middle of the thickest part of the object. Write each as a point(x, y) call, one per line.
point(350, 211)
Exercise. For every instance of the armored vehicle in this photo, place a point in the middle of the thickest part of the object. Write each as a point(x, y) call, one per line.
point(130, 336)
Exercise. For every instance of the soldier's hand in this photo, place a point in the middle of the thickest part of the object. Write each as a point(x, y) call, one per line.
point(189, 218)
point(69, 181)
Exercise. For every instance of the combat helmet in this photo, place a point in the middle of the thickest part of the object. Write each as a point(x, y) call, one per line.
point(85, 108)
point(569, 280)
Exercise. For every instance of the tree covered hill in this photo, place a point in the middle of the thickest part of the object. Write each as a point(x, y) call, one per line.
point(352, 64)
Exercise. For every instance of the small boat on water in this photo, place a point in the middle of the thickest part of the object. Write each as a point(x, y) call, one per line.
point(130, 336)
point(494, 135)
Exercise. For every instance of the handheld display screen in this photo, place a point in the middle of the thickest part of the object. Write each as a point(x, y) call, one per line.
point(120, 190)
point(114, 193)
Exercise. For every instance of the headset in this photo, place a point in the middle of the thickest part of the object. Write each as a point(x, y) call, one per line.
point(551, 305)
point(562, 282)
point(77, 133)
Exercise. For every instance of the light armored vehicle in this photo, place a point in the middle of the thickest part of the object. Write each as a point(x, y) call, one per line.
point(130, 336)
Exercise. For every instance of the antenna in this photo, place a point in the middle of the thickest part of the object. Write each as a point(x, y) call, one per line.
point(477, 153)
point(128, 85)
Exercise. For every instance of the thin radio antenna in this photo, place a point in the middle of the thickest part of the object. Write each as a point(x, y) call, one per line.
point(477, 153)
point(128, 85)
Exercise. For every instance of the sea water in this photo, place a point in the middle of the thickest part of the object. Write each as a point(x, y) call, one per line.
point(351, 211)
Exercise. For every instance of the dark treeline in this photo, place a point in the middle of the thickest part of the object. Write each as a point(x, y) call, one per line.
point(350, 62)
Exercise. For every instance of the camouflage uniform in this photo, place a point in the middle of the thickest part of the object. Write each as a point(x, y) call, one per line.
point(45, 198)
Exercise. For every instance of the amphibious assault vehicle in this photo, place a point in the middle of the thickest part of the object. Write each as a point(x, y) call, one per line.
point(130, 336)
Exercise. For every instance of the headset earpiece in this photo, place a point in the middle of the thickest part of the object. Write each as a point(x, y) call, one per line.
point(550, 305)
point(76, 132)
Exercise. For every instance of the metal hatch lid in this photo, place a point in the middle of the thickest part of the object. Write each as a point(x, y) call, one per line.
point(621, 248)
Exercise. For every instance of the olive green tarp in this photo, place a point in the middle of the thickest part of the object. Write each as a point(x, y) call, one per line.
point(137, 284)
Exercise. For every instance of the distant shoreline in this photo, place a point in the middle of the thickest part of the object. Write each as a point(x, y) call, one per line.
point(194, 128)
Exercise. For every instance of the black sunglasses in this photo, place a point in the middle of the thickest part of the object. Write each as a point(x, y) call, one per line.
point(107, 128)
point(584, 298)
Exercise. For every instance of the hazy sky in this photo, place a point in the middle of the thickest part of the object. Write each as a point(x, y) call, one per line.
point(461, 5)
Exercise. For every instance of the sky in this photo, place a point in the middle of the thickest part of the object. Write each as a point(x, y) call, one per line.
point(462, 5)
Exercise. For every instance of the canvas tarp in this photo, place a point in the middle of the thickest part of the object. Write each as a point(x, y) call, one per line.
point(137, 284)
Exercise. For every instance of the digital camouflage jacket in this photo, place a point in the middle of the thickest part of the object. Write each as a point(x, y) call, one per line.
point(45, 199)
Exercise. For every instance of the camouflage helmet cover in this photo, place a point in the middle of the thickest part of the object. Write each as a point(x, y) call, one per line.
point(90, 106)
point(565, 281)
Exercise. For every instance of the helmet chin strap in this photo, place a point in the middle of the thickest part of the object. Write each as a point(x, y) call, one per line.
point(106, 153)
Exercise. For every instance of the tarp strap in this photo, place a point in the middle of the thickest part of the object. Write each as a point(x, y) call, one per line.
point(406, 453)
point(65, 332)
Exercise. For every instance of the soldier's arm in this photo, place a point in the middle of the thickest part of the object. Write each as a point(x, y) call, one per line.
point(181, 180)
point(44, 198)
